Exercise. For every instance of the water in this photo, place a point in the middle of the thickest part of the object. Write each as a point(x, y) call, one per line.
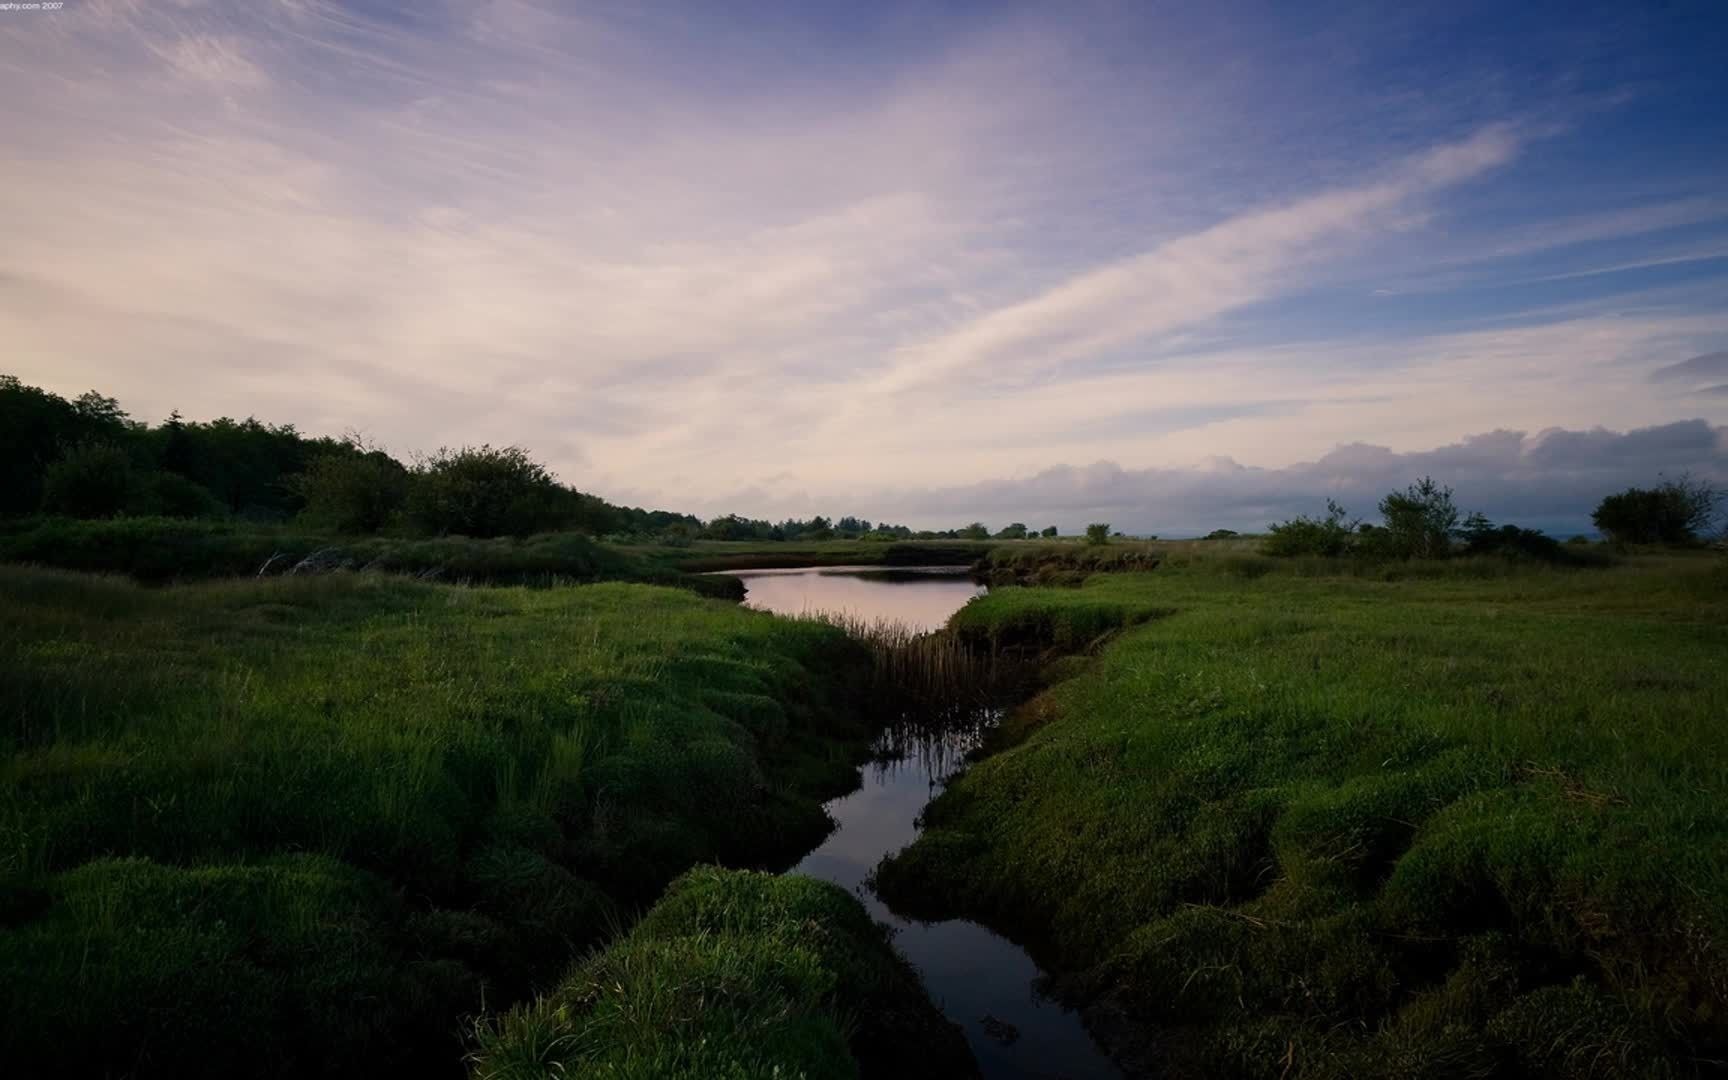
point(983, 982)
point(921, 597)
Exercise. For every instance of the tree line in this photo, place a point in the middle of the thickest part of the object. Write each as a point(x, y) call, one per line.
point(1423, 521)
point(87, 458)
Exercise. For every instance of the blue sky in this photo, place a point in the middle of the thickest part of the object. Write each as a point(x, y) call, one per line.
point(1176, 266)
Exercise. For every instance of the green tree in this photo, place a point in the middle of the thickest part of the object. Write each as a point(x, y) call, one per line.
point(1098, 533)
point(355, 489)
point(93, 480)
point(1419, 520)
point(975, 531)
point(485, 491)
point(38, 428)
point(1016, 531)
point(1675, 511)
point(1330, 535)
point(1050, 532)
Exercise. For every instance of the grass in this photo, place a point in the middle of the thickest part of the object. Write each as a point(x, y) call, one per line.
point(734, 975)
point(1292, 822)
point(703, 556)
point(158, 550)
point(301, 825)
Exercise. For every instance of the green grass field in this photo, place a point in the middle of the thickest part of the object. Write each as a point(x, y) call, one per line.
point(1298, 820)
point(304, 826)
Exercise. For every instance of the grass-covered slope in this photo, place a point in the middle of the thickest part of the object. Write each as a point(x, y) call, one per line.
point(302, 826)
point(1309, 826)
point(734, 975)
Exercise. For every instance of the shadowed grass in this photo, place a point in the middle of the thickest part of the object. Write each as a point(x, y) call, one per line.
point(173, 549)
point(1448, 825)
point(359, 802)
point(737, 975)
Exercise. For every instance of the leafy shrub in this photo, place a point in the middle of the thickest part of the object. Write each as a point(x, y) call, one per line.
point(1419, 521)
point(1016, 531)
point(1049, 532)
point(1098, 533)
point(1482, 537)
point(353, 490)
point(1329, 536)
point(1222, 534)
point(170, 495)
point(484, 491)
point(93, 480)
point(1673, 512)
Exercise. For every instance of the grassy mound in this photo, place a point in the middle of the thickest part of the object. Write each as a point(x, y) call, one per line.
point(1336, 826)
point(301, 825)
point(739, 975)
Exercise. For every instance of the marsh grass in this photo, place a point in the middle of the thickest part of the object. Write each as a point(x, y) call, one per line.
point(161, 550)
point(1456, 823)
point(706, 556)
point(733, 974)
point(301, 824)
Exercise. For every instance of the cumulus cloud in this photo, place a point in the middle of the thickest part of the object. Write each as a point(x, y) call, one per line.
point(1548, 479)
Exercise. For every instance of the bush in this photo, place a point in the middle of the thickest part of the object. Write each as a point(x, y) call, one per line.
point(1049, 532)
point(353, 490)
point(484, 492)
point(1098, 533)
point(1514, 541)
point(1222, 534)
point(1329, 536)
point(170, 495)
point(1419, 521)
point(93, 480)
point(1673, 512)
point(1016, 531)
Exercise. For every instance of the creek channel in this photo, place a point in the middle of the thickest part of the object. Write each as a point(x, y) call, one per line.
point(982, 981)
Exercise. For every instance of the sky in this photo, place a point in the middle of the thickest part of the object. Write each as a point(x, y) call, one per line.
point(1175, 266)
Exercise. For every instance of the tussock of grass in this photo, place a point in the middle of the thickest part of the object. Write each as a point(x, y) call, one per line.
point(733, 974)
point(1449, 825)
point(361, 802)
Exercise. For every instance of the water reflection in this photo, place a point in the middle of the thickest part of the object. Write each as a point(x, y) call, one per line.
point(921, 597)
point(983, 982)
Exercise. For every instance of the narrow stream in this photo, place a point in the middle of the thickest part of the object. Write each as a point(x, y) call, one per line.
point(983, 982)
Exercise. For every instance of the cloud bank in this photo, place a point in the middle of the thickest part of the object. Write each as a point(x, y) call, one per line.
point(1548, 480)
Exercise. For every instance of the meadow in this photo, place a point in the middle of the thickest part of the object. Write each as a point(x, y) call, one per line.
point(1321, 818)
point(309, 824)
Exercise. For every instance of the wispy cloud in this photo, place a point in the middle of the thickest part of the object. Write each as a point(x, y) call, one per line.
point(1190, 279)
point(680, 254)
